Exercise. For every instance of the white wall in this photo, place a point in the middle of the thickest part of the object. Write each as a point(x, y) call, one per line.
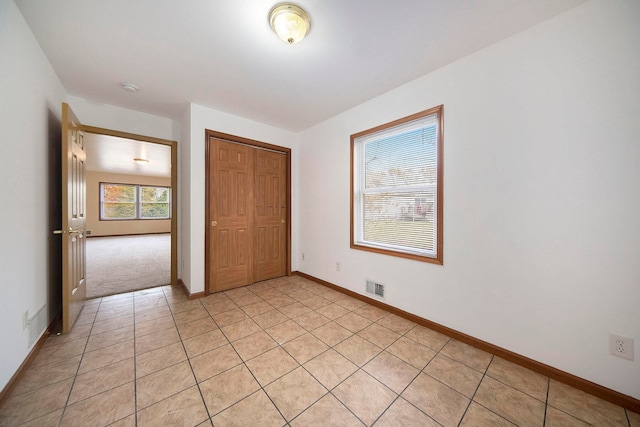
point(31, 97)
point(184, 199)
point(107, 116)
point(197, 119)
point(541, 194)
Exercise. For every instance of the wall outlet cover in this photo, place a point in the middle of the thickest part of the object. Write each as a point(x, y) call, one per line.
point(621, 346)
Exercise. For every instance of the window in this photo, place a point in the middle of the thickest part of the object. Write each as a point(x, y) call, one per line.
point(154, 202)
point(129, 201)
point(396, 188)
point(117, 201)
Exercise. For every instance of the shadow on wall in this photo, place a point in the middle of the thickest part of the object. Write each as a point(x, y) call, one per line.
point(54, 215)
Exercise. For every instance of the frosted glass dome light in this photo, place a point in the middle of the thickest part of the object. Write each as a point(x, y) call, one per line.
point(290, 22)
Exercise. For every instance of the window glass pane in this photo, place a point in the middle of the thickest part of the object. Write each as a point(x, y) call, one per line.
point(155, 194)
point(403, 159)
point(154, 210)
point(400, 219)
point(118, 201)
point(119, 210)
point(154, 202)
point(118, 193)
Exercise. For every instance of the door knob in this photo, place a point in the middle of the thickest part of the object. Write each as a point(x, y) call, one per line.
point(214, 223)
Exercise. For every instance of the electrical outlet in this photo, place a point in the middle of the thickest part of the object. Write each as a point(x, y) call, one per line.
point(337, 266)
point(621, 346)
point(303, 256)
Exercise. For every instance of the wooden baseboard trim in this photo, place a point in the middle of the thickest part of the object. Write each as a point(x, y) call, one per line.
point(196, 295)
point(592, 388)
point(189, 294)
point(6, 391)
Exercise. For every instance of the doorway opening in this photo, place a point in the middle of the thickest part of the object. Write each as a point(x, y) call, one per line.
point(131, 212)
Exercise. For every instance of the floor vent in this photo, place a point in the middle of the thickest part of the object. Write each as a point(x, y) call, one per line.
point(375, 288)
point(37, 324)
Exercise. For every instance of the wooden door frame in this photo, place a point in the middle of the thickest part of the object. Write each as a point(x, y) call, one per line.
point(174, 184)
point(252, 143)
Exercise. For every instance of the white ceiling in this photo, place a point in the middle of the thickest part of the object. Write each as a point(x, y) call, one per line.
point(115, 155)
point(222, 54)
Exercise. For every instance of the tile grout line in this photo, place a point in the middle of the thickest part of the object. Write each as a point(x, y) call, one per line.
point(471, 400)
point(204, 402)
point(135, 409)
point(244, 362)
point(84, 350)
point(359, 368)
point(135, 355)
point(135, 373)
point(420, 371)
point(546, 402)
point(329, 347)
point(384, 349)
point(262, 388)
point(518, 391)
point(281, 346)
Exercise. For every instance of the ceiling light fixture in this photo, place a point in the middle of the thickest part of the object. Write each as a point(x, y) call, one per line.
point(140, 161)
point(129, 87)
point(290, 22)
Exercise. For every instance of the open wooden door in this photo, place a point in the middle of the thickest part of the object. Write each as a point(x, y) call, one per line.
point(73, 219)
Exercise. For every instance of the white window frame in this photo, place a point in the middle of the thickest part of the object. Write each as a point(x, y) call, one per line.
point(420, 120)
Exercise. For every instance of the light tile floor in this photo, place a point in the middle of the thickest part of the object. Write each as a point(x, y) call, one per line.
point(285, 352)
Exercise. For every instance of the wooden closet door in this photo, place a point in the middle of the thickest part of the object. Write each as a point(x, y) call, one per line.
point(270, 215)
point(231, 213)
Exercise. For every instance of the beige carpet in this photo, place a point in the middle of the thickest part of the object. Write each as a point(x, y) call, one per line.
point(127, 263)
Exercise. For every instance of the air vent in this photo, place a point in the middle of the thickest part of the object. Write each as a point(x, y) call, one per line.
point(37, 324)
point(375, 288)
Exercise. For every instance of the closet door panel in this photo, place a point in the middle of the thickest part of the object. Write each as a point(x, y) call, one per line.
point(270, 214)
point(231, 215)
